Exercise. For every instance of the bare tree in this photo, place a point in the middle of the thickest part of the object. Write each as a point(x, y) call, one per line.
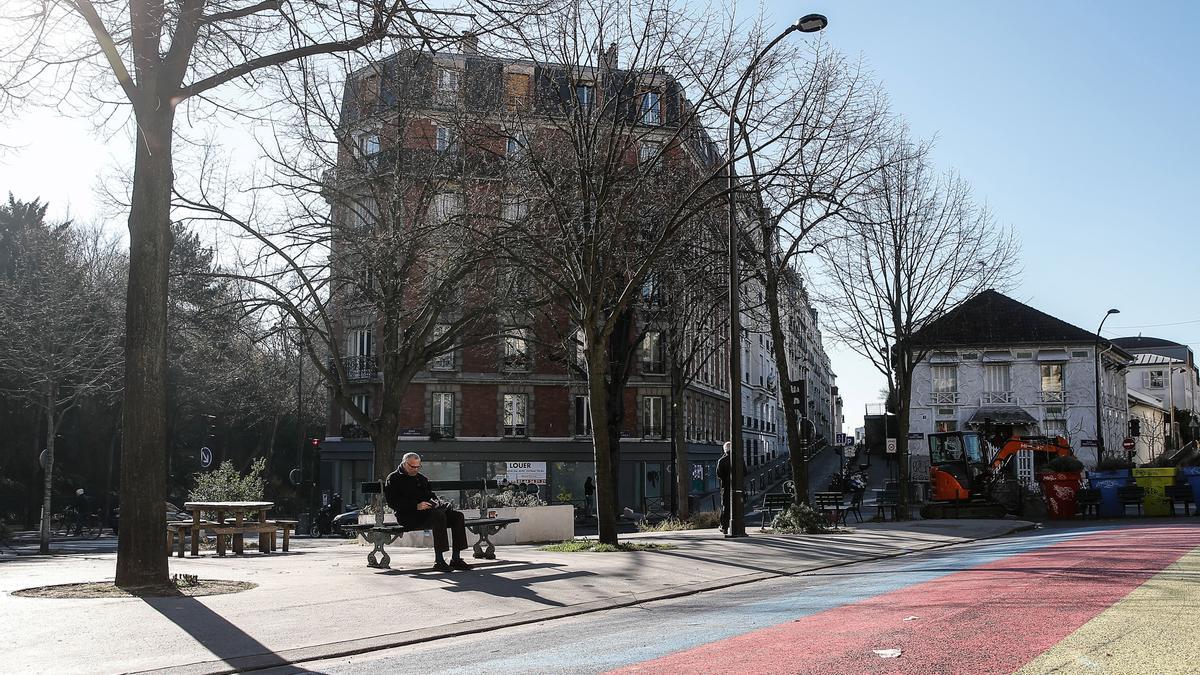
point(385, 257)
point(916, 247)
point(158, 58)
point(800, 185)
point(59, 325)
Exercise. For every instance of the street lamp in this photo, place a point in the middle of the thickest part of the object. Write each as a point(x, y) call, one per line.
point(1099, 422)
point(809, 23)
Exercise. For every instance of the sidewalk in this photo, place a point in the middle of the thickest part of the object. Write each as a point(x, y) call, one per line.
point(321, 600)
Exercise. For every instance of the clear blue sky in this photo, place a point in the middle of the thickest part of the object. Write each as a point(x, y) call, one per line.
point(1078, 123)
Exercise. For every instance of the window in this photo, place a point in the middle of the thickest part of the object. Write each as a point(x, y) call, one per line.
point(447, 142)
point(514, 414)
point(443, 413)
point(363, 213)
point(513, 208)
point(442, 361)
point(652, 416)
point(361, 342)
point(362, 403)
point(516, 89)
point(516, 144)
point(1054, 427)
point(996, 377)
point(945, 425)
point(648, 152)
point(1052, 377)
point(1080, 354)
point(368, 143)
point(1024, 355)
point(514, 349)
point(445, 207)
point(447, 86)
point(945, 379)
point(650, 107)
point(583, 416)
point(1155, 379)
point(652, 353)
point(585, 95)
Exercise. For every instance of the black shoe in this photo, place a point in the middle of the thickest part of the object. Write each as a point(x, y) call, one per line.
point(460, 564)
point(441, 566)
point(724, 530)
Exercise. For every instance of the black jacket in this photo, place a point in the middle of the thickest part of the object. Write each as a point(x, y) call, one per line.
point(723, 470)
point(403, 493)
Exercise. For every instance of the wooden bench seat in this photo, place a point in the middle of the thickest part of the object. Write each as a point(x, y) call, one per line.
point(832, 505)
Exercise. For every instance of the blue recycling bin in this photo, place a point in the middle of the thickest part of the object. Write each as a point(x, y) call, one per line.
point(1192, 475)
point(1108, 482)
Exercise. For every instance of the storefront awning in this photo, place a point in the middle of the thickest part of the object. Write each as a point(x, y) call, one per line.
point(997, 357)
point(1002, 415)
point(1053, 355)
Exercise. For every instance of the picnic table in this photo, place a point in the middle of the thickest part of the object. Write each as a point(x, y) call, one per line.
point(248, 518)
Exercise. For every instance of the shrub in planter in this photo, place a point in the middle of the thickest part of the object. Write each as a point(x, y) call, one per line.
point(503, 498)
point(801, 519)
point(1063, 464)
point(1114, 463)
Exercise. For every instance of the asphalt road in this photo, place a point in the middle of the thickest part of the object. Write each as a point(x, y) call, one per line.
point(1093, 599)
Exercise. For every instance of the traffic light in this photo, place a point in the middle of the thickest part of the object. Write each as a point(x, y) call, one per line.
point(1135, 427)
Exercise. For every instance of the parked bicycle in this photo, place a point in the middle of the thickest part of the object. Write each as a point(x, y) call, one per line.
point(67, 523)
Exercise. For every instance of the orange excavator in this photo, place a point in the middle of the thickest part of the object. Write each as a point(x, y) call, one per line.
point(964, 481)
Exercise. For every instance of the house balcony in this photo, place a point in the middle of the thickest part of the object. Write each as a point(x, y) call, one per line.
point(944, 398)
point(997, 398)
point(358, 368)
point(1052, 397)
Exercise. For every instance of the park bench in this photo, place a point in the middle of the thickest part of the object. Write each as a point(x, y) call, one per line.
point(832, 505)
point(179, 530)
point(1132, 495)
point(886, 499)
point(1180, 493)
point(774, 502)
point(1088, 499)
point(379, 534)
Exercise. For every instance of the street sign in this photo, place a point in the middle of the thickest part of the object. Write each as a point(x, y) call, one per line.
point(1128, 443)
point(1087, 443)
point(841, 438)
point(916, 436)
point(44, 457)
point(206, 458)
point(296, 476)
point(890, 448)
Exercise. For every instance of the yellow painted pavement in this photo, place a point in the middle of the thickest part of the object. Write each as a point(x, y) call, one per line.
point(1154, 629)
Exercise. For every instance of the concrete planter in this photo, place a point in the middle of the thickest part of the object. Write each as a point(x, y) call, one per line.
point(1155, 482)
point(538, 524)
point(1192, 475)
point(1060, 490)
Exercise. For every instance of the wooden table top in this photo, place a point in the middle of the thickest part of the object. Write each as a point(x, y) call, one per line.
point(227, 506)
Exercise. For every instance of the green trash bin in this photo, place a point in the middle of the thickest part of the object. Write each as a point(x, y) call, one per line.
point(1155, 482)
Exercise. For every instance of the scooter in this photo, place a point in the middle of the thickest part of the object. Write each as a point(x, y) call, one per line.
point(328, 523)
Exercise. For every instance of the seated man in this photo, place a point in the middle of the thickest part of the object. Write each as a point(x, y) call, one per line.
point(417, 508)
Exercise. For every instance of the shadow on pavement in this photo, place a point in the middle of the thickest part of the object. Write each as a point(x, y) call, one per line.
point(488, 578)
point(225, 640)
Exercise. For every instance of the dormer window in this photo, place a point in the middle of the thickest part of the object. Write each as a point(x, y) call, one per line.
point(585, 95)
point(447, 86)
point(651, 106)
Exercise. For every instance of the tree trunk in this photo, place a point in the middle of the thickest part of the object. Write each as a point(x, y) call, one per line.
point(141, 555)
point(48, 480)
point(606, 494)
point(679, 442)
point(792, 412)
point(904, 391)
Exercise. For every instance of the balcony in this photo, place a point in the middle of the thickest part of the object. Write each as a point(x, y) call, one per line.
point(997, 398)
point(1052, 396)
point(358, 368)
point(943, 398)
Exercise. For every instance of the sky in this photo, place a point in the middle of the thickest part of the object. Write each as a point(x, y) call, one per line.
point(1076, 122)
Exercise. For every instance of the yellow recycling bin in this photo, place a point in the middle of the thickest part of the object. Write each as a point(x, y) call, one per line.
point(1155, 482)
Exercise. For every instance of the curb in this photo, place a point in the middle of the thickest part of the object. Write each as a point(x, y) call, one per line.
point(345, 648)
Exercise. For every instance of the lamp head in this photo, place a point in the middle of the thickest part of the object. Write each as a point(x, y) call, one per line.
point(811, 23)
point(1114, 311)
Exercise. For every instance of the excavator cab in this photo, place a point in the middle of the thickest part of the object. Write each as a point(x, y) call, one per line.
point(957, 465)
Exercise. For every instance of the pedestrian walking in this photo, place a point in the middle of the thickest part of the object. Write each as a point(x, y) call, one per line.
point(724, 468)
point(589, 493)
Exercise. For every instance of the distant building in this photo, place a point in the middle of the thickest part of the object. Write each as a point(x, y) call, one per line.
point(1001, 367)
point(1166, 372)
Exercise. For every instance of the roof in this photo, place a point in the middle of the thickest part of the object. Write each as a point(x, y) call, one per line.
point(1145, 399)
point(1154, 360)
point(991, 318)
point(1139, 342)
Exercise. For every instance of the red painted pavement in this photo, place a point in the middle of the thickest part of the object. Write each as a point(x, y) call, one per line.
point(993, 618)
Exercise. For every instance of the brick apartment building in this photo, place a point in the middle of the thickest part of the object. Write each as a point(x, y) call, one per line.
point(473, 412)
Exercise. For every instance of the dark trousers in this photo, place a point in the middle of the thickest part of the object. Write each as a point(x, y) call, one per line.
point(725, 507)
point(440, 519)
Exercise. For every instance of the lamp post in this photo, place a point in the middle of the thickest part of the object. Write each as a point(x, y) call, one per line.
point(810, 23)
point(1099, 419)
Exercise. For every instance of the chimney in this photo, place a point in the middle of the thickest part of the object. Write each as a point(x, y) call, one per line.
point(609, 58)
point(469, 43)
